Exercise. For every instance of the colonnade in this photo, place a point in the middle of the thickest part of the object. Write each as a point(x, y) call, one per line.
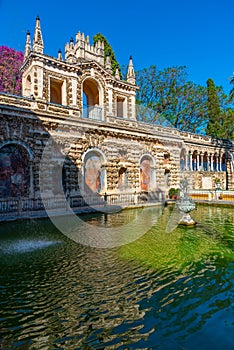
point(203, 161)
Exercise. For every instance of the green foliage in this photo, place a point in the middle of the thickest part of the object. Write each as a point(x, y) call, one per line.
point(214, 112)
point(220, 113)
point(169, 96)
point(231, 94)
point(173, 192)
point(108, 51)
point(227, 130)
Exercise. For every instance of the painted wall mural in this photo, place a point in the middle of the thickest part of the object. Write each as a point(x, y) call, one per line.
point(14, 171)
point(93, 173)
point(145, 174)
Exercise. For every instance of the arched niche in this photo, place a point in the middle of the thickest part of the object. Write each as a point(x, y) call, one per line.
point(94, 172)
point(147, 173)
point(92, 99)
point(59, 177)
point(122, 184)
point(224, 160)
point(16, 177)
point(28, 86)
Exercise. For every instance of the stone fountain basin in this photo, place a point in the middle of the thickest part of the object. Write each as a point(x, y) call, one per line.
point(186, 206)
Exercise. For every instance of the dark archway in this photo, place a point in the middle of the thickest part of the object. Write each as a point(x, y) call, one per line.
point(14, 171)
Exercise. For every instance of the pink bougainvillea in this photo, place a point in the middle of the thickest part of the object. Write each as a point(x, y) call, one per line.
point(10, 76)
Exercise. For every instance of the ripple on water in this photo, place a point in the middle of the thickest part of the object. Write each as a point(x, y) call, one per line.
point(59, 294)
point(25, 245)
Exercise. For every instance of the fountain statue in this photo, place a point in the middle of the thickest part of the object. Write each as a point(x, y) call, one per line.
point(185, 205)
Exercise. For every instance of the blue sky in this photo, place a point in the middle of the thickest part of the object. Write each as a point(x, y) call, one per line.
point(198, 34)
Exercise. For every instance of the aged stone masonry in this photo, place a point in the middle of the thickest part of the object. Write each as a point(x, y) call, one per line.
point(88, 116)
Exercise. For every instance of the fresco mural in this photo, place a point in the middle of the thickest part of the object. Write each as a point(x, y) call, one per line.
point(14, 171)
point(93, 173)
point(145, 175)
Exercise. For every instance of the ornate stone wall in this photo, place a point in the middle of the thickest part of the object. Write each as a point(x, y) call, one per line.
point(106, 140)
point(123, 144)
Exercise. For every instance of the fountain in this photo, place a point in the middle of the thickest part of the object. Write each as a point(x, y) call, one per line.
point(185, 205)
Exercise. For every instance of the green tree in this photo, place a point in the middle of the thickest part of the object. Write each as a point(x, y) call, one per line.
point(231, 94)
point(171, 99)
point(220, 112)
point(228, 124)
point(214, 112)
point(108, 51)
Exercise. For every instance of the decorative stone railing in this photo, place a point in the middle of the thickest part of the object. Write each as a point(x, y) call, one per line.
point(93, 112)
point(20, 207)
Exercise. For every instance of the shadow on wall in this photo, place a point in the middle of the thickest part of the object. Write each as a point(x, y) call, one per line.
point(38, 165)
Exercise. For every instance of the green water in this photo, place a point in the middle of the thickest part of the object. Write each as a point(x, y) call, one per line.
point(163, 291)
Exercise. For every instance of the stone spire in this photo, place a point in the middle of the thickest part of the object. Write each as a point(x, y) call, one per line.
point(38, 45)
point(131, 74)
point(28, 47)
point(108, 64)
point(117, 75)
point(60, 57)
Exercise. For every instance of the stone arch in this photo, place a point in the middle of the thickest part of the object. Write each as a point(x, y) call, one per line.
point(92, 98)
point(195, 160)
point(19, 143)
point(16, 176)
point(59, 176)
point(94, 171)
point(28, 86)
point(147, 173)
point(224, 159)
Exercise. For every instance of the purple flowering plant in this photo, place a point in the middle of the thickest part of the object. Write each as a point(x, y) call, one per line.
point(10, 75)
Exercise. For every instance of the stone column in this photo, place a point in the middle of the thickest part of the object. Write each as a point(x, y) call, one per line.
point(197, 162)
point(187, 160)
point(211, 162)
point(220, 163)
point(202, 160)
point(217, 164)
point(191, 161)
point(208, 162)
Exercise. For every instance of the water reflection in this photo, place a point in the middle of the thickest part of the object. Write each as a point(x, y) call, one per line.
point(161, 292)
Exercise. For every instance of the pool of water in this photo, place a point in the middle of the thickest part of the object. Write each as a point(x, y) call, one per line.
point(166, 290)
